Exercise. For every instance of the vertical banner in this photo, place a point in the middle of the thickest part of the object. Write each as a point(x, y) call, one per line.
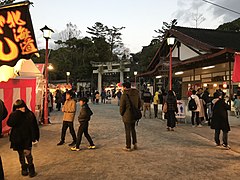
point(17, 39)
point(236, 68)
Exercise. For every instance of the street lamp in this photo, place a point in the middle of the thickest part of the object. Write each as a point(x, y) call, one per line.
point(135, 74)
point(68, 74)
point(170, 42)
point(47, 35)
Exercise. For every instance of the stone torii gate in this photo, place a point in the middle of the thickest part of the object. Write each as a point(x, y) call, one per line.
point(109, 67)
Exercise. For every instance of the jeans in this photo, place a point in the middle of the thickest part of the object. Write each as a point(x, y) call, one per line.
point(65, 126)
point(224, 137)
point(130, 133)
point(83, 128)
point(193, 118)
point(58, 106)
point(156, 110)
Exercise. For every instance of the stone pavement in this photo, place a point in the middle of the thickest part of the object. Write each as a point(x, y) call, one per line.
point(187, 153)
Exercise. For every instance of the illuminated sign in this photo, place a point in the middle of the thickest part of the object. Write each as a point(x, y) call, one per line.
point(17, 39)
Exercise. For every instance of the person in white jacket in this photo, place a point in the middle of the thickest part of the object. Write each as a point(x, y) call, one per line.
point(195, 113)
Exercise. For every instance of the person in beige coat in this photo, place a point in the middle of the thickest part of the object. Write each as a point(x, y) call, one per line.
point(69, 109)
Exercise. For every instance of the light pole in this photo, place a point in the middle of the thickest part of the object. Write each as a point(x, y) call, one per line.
point(47, 35)
point(68, 74)
point(170, 42)
point(135, 74)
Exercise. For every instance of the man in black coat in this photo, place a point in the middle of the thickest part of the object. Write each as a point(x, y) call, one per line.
point(220, 119)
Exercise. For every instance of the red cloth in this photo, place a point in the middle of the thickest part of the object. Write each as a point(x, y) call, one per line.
point(236, 68)
point(17, 89)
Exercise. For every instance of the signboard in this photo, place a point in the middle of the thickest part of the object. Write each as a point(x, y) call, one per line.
point(181, 110)
point(17, 39)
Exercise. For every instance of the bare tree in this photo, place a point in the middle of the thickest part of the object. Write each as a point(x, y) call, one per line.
point(198, 18)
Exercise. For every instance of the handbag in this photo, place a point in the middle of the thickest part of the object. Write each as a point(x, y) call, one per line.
point(165, 108)
point(136, 113)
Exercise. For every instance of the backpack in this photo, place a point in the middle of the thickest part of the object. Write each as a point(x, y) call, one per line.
point(136, 113)
point(192, 104)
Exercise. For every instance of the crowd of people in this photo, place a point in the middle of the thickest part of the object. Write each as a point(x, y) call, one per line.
point(25, 131)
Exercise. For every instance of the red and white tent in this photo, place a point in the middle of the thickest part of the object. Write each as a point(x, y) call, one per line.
point(17, 89)
point(27, 86)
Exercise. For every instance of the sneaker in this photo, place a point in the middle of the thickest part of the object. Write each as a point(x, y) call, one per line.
point(72, 144)
point(135, 147)
point(199, 126)
point(168, 128)
point(60, 143)
point(75, 149)
point(172, 129)
point(127, 149)
point(218, 145)
point(193, 126)
point(227, 147)
point(91, 147)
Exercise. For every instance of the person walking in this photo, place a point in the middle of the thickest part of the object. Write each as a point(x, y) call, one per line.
point(171, 110)
point(3, 115)
point(24, 133)
point(97, 97)
point(119, 94)
point(155, 103)
point(128, 95)
point(202, 104)
point(58, 99)
point(84, 118)
point(236, 105)
point(69, 109)
point(220, 119)
point(195, 113)
point(103, 96)
point(147, 99)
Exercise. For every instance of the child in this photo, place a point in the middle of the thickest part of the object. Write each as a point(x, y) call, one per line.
point(24, 133)
point(84, 118)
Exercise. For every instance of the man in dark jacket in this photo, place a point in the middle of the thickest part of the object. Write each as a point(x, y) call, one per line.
point(220, 119)
point(125, 111)
point(3, 115)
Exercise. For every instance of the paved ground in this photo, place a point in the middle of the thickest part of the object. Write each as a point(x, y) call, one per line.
point(187, 153)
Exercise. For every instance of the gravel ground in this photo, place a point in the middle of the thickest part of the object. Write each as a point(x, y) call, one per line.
point(185, 154)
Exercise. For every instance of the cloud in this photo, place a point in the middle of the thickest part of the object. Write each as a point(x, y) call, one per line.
point(213, 15)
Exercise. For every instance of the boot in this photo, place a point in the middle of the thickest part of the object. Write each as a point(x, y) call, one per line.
point(32, 172)
point(24, 169)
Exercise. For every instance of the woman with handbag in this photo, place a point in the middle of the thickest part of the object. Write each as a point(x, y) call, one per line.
point(171, 104)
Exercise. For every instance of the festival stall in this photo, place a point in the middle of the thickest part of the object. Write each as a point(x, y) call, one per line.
point(19, 77)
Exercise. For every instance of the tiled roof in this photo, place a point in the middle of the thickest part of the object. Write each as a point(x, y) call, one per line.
point(221, 39)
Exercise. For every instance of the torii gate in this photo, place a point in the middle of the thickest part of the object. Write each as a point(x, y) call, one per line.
point(110, 67)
